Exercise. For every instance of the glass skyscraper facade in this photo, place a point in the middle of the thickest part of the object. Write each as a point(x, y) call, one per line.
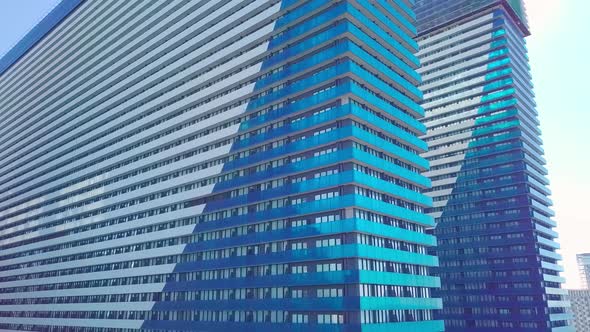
point(583, 261)
point(231, 165)
point(497, 245)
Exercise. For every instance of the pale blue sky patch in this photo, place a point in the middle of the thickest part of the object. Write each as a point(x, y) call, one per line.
point(17, 17)
point(559, 52)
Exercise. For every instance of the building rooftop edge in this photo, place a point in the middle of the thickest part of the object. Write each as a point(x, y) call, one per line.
point(517, 19)
point(40, 30)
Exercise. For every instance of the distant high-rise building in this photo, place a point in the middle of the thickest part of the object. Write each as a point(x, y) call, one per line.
point(496, 240)
point(584, 268)
point(580, 300)
point(228, 165)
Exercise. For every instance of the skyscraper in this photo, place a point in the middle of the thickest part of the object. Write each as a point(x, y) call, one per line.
point(584, 269)
point(580, 300)
point(231, 165)
point(498, 263)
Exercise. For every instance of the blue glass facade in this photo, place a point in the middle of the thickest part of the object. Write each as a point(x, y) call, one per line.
point(256, 168)
point(499, 268)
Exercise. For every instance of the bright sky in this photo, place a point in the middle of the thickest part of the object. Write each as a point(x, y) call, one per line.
point(559, 51)
point(17, 17)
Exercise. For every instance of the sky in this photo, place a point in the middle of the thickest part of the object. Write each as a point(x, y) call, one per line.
point(17, 17)
point(558, 52)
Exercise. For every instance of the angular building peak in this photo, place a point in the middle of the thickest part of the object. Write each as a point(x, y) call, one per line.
point(440, 14)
